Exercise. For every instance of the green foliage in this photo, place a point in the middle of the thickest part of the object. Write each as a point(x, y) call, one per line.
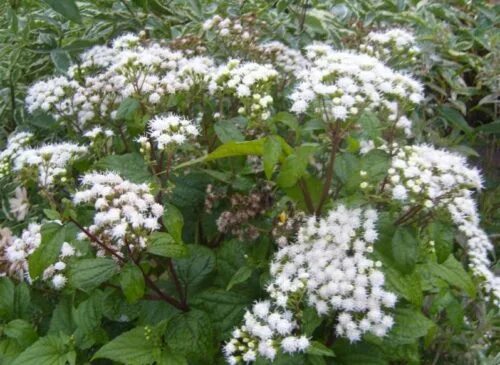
point(177, 299)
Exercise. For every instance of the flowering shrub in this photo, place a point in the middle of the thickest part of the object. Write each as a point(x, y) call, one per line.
point(225, 197)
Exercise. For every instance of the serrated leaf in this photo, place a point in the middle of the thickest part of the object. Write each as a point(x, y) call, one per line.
point(21, 331)
point(195, 268)
point(294, 166)
point(130, 166)
point(49, 350)
point(53, 236)
point(174, 222)
point(240, 276)
point(317, 348)
point(271, 155)
point(225, 308)
point(454, 117)
point(442, 235)
point(132, 282)
point(405, 249)
point(228, 131)
point(453, 273)
point(87, 274)
point(131, 348)
point(88, 315)
point(163, 244)
point(191, 334)
point(127, 109)
point(410, 324)
point(66, 8)
point(7, 291)
point(310, 320)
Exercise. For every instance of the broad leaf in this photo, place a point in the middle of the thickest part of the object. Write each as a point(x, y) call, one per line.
point(66, 8)
point(132, 282)
point(88, 274)
point(131, 348)
point(163, 244)
point(191, 334)
point(405, 249)
point(130, 166)
point(49, 350)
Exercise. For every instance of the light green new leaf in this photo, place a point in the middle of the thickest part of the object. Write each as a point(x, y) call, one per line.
point(271, 155)
point(174, 222)
point(240, 276)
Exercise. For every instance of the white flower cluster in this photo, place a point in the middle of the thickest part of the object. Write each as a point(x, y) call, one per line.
point(49, 161)
point(16, 143)
point(342, 84)
point(125, 212)
point(169, 130)
point(55, 272)
point(250, 83)
point(16, 250)
point(329, 268)
point(429, 176)
point(266, 329)
point(425, 176)
point(94, 90)
point(97, 132)
point(233, 31)
point(391, 44)
point(285, 58)
point(50, 95)
point(19, 204)
point(330, 263)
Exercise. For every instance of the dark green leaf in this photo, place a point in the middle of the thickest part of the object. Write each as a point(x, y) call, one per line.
point(130, 166)
point(228, 131)
point(409, 325)
point(21, 331)
point(195, 268)
point(66, 8)
point(127, 109)
point(317, 348)
point(442, 235)
point(131, 348)
point(61, 59)
point(88, 274)
point(240, 276)
point(53, 236)
point(453, 273)
point(191, 334)
point(405, 249)
point(132, 282)
point(49, 350)
point(163, 244)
